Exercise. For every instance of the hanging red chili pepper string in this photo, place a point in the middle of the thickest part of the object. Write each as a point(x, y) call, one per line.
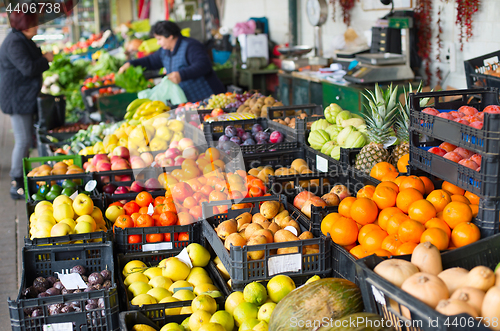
point(347, 6)
point(465, 10)
point(423, 18)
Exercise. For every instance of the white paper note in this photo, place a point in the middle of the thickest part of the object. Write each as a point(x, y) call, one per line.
point(284, 263)
point(151, 209)
point(90, 185)
point(184, 257)
point(291, 229)
point(321, 164)
point(73, 196)
point(72, 281)
point(68, 326)
point(157, 247)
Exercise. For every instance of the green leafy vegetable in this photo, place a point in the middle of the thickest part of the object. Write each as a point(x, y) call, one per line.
point(132, 80)
point(105, 65)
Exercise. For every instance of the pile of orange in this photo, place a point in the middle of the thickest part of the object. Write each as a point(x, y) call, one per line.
point(401, 212)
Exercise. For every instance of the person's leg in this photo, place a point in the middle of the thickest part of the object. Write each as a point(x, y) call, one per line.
point(22, 126)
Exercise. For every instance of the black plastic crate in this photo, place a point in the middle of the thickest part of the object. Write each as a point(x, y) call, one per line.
point(318, 161)
point(243, 270)
point(85, 238)
point(300, 122)
point(485, 183)
point(275, 159)
point(484, 141)
point(377, 292)
point(123, 246)
point(130, 318)
point(88, 99)
point(45, 261)
point(156, 312)
point(199, 114)
point(475, 71)
point(33, 183)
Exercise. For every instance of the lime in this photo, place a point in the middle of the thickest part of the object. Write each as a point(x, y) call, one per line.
point(279, 286)
point(56, 188)
point(248, 324)
point(68, 191)
point(68, 183)
point(245, 311)
point(255, 293)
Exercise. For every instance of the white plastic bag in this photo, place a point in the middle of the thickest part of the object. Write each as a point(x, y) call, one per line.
point(164, 91)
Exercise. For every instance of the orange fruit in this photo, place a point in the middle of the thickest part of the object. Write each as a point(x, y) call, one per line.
point(438, 223)
point(413, 182)
point(453, 189)
point(465, 233)
point(364, 211)
point(143, 210)
point(385, 197)
point(366, 229)
point(474, 209)
point(403, 163)
point(390, 177)
point(391, 244)
point(143, 199)
point(349, 247)
point(381, 169)
point(461, 198)
point(344, 231)
point(167, 218)
point(406, 248)
point(359, 252)
point(399, 180)
point(373, 240)
point(385, 215)
point(439, 198)
point(473, 199)
point(390, 184)
point(429, 185)
point(406, 197)
point(381, 252)
point(456, 212)
point(326, 223)
point(144, 220)
point(394, 222)
point(422, 211)
point(440, 215)
point(366, 192)
point(437, 237)
point(410, 231)
point(345, 206)
point(154, 237)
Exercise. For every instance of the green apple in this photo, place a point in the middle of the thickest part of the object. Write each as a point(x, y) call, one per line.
point(223, 318)
point(160, 281)
point(198, 318)
point(159, 293)
point(83, 205)
point(143, 299)
point(83, 227)
point(62, 199)
point(198, 254)
point(265, 311)
point(62, 211)
point(60, 229)
point(137, 288)
point(113, 212)
point(175, 269)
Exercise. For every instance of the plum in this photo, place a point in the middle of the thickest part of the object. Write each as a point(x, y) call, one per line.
point(248, 142)
point(38, 312)
point(223, 138)
point(256, 128)
point(79, 269)
point(236, 140)
point(262, 136)
point(53, 291)
point(245, 136)
point(261, 142)
point(240, 132)
point(106, 274)
point(227, 145)
point(58, 285)
point(41, 281)
point(95, 278)
point(231, 131)
point(30, 292)
point(52, 280)
point(276, 137)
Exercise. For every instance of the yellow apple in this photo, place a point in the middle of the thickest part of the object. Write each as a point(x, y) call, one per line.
point(41, 205)
point(87, 218)
point(143, 299)
point(179, 284)
point(175, 269)
point(160, 281)
point(83, 205)
point(43, 233)
point(184, 295)
point(60, 229)
point(83, 227)
point(153, 272)
point(97, 215)
point(171, 311)
point(70, 222)
point(62, 211)
point(62, 199)
point(159, 293)
point(137, 288)
point(135, 277)
point(113, 212)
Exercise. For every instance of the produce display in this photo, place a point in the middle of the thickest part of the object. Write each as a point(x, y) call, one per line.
point(96, 81)
point(257, 104)
point(50, 192)
point(60, 168)
point(458, 154)
point(239, 137)
point(290, 121)
point(66, 216)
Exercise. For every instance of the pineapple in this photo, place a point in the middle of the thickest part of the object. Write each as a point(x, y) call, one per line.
point(403, 123)
point(379, 112)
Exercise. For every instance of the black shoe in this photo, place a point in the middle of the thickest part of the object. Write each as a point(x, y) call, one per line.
point(17, 189)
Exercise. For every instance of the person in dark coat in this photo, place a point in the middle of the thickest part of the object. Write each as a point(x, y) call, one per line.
point(185, 60)
point(21, 66)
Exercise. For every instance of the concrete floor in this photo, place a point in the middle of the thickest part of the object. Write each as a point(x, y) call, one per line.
point(13, 225)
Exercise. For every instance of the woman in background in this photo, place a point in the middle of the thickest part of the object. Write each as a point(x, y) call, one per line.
point(21, 66)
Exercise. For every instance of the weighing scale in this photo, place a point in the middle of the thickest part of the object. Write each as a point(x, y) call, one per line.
point(384, 67)
point(317, 13)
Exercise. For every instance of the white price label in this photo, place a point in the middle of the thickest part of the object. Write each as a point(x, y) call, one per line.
point(184, 257)
point(90, 185)
point(72, 281)
point(284, 263)
point(74, 195)
point(390, 141)
point(156, 247)
point(151, 209)
point(321, 164)
point(90, 101)
point(291, 229)
point(378, 295)
point(68, 326)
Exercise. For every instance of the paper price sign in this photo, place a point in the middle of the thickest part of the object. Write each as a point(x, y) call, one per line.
point(284, 263)
point(68, 326)
point(156, 247)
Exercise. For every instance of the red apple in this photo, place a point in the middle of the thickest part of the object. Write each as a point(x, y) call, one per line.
point(121, 190)
point(452, 156)
point(477, 125)
point(123, 178)
point(91, 168)
point(174, 144)
point(166, 162)
point(313, 201)
point(190, 153)
point(185, 143)
point(137, 163)
point(147, 158)
point(493, 109)
point(115, 158)
point(122, 152)
point(109, 188)
point(137, 186)
point(100, 157)
point(153, 184)
point(437, 151)
point(341, 191)
point(301, 198)
point(85, 165)
point(469, 164)
point(103, 166)
point(172, 152)
point(178, 161)
point(120, 165)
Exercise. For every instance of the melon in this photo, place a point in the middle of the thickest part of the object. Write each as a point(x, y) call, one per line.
point(307, 307)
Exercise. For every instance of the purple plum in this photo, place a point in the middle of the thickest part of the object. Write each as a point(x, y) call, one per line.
point(223, 138)
point(236, 140)
point(256, 128)
point(248, 142)
point(276, 137)
point(262, 136)
point(246, 135)
point(241, 132)
point(231, 131)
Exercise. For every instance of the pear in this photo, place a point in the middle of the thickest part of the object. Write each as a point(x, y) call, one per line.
point(226, 228)
point(256, 240)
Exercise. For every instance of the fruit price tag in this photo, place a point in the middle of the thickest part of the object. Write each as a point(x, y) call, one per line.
point(321, 164)
point(90, 185)
point(390, 141)
point(73, 196)
point(292, 230)
point(151, 209)
point(68, 326)
point(156, 247)
point(284, 263)
point(90, 101)
point(378, 295)
point(184, 257)
point(72, 281)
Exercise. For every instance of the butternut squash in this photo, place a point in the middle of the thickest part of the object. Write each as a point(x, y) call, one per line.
point(427, 258)
point(395, 271)
point(454, 278)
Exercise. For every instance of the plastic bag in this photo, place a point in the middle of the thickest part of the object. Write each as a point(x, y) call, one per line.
point(164, 91)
